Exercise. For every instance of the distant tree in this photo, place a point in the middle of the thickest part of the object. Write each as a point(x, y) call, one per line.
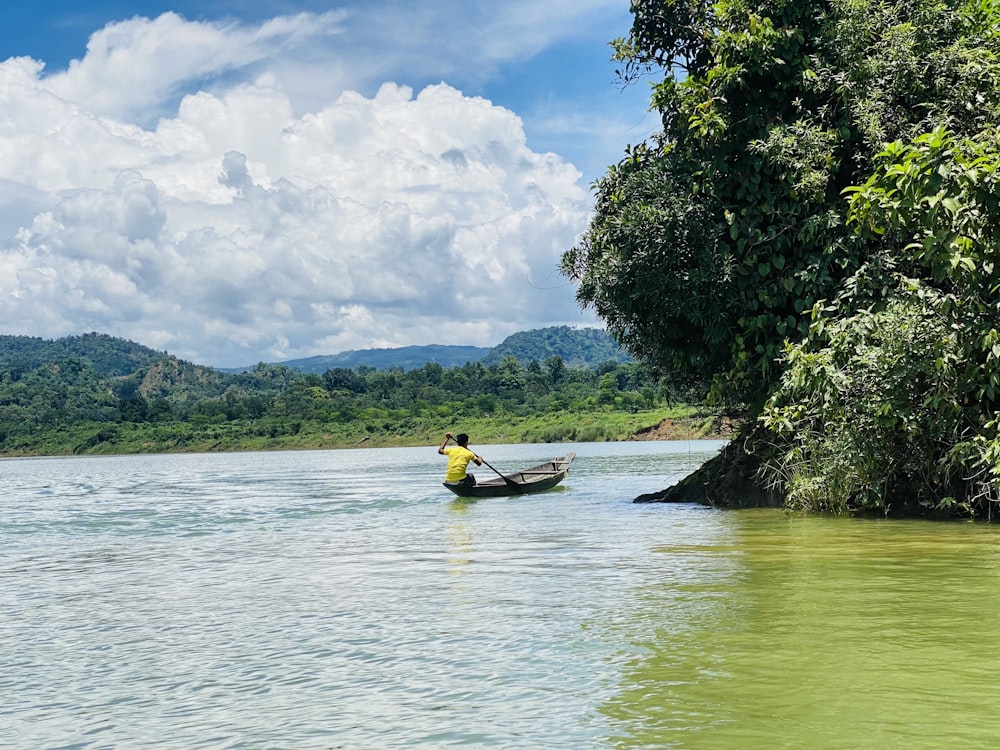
point(255, 407)
point(510, 374)
point(556, 368)
point(607, 388)
point(432, 373)
point(340, 378)
point(159, 410)
point(133, 408)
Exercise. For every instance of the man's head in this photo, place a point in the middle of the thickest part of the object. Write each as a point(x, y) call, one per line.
point(462, 439)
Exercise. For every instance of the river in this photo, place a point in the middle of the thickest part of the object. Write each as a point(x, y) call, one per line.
point(344, 599)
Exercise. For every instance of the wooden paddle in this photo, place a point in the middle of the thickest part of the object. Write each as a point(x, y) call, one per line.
point(510, 482)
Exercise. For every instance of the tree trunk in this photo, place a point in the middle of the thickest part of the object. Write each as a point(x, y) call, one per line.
point(729, 480)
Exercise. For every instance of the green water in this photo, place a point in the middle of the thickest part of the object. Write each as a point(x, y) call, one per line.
point(345, 599)
point(816, 632)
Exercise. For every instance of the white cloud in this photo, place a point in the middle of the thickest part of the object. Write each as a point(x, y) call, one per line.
point(240, 229)
point(468, 40)
point(149, 59)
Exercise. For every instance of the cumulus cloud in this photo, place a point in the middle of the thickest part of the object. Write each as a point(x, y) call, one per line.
point(239, 229)
point(150, 59)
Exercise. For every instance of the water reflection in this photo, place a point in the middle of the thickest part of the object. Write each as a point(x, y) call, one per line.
point(459, 535)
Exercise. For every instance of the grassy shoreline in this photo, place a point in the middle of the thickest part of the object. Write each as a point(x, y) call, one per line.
point(677, 422)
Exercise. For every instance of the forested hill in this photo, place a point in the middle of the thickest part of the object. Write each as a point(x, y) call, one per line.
point(108, 356)
point(99, 394)
point(113, 357)
point(578, 347)
point(406, 357)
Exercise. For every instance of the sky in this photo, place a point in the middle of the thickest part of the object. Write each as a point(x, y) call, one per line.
point(234, 181)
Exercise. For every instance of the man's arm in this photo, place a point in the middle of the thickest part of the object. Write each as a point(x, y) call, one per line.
point(447, 437)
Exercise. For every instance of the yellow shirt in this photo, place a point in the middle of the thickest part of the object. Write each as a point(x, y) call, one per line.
point(458, 460)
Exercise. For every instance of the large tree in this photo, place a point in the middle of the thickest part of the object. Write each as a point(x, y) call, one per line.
point(711, 243)
point(894, 404)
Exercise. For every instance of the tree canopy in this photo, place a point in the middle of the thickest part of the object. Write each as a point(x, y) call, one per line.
point(895, 402)
point(709, 242)
point(715, 246)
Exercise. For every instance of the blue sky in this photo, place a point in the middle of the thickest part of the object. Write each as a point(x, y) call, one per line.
point(235, 182)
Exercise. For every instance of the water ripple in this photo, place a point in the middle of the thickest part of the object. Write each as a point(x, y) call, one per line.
point(304, 601)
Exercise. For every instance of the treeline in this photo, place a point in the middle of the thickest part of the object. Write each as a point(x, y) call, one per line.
point(68, 406)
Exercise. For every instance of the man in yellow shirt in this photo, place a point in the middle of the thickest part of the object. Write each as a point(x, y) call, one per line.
point(459, 457)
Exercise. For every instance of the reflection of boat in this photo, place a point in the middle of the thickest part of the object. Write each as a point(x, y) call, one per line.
point(536, 479)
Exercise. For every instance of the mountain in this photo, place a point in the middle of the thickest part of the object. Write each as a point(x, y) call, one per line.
point(107, 355)
point(578, 347)
point(160, 372)
point(406, 357)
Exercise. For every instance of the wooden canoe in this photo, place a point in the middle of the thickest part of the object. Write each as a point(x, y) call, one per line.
point(536, 479)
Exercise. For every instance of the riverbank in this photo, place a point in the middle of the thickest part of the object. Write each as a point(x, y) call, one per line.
point(695, 427)
point(204, 436)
